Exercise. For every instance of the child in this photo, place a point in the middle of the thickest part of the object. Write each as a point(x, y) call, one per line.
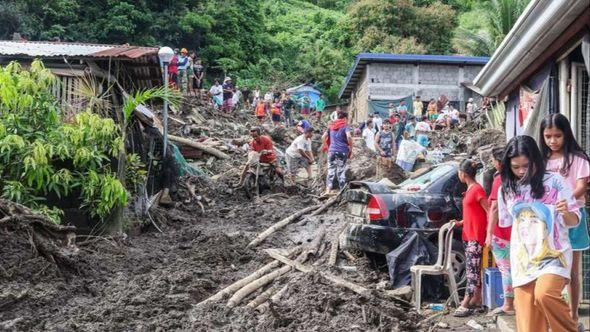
point(276, 112)
point(498, 238)
point(384, 145)
point(564, 155)
point(540, 207)
point(475, 209)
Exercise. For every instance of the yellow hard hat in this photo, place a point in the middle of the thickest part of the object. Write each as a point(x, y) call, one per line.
point(183, 50)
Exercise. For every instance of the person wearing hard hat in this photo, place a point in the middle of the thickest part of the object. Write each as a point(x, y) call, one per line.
point(183, 64)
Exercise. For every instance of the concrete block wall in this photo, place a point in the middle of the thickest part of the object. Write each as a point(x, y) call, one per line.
point(470, 72)
point(438, 74)
point(391, 73)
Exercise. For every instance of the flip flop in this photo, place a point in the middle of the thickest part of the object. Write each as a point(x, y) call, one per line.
point(463, 312)
point(500, 312)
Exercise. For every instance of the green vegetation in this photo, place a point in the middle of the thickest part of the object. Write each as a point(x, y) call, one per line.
point(272, 43)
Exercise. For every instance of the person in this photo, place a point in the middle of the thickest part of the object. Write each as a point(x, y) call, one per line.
point(260, 112)
point(454, 115)
point(276, 93)
point(320, 104)
point(199, 75)
point(275, 112)
point(236, 98)
point(183, 64)
point(384, 147)
point(470, 109)
point(245, 93)
point(228, 93)
point(305, 104)
point(422, 128)
point(256, 95)
point(377, 121)
point(411, 127)
point(563, 155)
point(173, 69)
point(263, 145)
point(407, 152)
point(338, 141)
point(432, 110)
point(216, 92)
point(402, 110)
point(369, 135)
point(498, 239)
point(302, 125)
point(288, 105)
point(334, 115)
point(475, 209)
point(391, 110)
point(541, 208)
point(418, 107)
point(299, 154)
point(442, 103)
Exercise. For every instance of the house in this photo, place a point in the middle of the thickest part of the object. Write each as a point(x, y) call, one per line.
point(376, 79)
point(541, 67)
point(299, 91)
point(132, 67)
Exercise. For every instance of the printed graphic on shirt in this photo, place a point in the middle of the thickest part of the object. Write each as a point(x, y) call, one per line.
point(533, 228)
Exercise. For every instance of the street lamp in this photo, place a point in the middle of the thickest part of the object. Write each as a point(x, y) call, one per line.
point(165, 54)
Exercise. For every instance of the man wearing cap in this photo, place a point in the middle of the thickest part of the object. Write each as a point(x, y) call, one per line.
point(228, 93)
point(183, 64)
point(470, 108)
point(299, 154)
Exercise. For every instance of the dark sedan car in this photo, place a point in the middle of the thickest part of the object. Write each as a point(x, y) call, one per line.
point(380, 216)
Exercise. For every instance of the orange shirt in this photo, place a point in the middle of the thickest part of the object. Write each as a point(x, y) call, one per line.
point(260, 110)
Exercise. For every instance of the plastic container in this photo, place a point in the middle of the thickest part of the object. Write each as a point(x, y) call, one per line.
point(436, 306)
point(493, 295)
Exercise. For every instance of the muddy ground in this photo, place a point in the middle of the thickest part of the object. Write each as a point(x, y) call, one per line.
point(152, 281)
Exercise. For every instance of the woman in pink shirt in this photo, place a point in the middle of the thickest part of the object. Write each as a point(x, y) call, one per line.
point(564, 156)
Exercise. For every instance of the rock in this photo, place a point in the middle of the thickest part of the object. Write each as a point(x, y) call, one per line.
point(403, 292)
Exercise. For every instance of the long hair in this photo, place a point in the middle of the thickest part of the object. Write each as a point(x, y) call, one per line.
point(571, 148)
point(523, 146)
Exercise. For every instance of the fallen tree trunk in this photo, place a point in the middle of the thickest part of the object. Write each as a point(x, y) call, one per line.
point(337, 281)
point(244, 281)
point(265, 280)
point(54, 242)
point(262, 298)
point(210, 150)
point(262, 236)
point(334, 245)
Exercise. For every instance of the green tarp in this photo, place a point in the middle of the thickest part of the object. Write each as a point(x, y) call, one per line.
point(380, 106)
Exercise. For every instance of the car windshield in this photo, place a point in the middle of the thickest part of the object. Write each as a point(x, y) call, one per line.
point(424, 180)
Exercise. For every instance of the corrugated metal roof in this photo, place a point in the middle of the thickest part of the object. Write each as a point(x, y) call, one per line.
point(362, 59)
point(59, 49)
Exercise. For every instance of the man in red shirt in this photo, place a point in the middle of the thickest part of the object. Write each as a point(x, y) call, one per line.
point(263, 145)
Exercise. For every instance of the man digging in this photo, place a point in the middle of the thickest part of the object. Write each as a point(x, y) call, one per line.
point(299, 154)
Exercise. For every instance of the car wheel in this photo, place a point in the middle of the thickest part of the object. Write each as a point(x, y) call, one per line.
point(458, 261)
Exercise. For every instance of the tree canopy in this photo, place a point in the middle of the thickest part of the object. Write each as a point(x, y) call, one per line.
point(261, 42)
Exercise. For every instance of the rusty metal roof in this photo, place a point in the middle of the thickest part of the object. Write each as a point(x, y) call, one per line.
point(59, 49)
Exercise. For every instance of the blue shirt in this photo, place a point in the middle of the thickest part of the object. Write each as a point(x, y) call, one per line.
point(182, 62)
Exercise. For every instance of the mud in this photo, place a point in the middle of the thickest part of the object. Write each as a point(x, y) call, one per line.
point(151, 281)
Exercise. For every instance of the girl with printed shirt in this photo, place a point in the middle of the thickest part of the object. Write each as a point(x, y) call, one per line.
point(563, 155)
point(541, 208)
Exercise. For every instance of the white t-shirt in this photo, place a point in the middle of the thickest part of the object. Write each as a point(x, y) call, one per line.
point(268, 96)
point(539, 243)
point(216, 90)
point(377, 121)
point(454, 114)
point(369, 136)
point(334, 116)
point(422, 126)
point(300, 143)
point(236, 97)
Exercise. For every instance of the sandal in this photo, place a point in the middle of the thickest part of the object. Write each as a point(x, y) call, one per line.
point(463, 312)
point(500, 312)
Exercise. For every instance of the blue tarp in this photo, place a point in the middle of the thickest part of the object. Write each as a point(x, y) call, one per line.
point(380, 106)
point(298, 93)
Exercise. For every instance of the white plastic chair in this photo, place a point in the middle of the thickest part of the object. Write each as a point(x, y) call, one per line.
point(443, 266)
